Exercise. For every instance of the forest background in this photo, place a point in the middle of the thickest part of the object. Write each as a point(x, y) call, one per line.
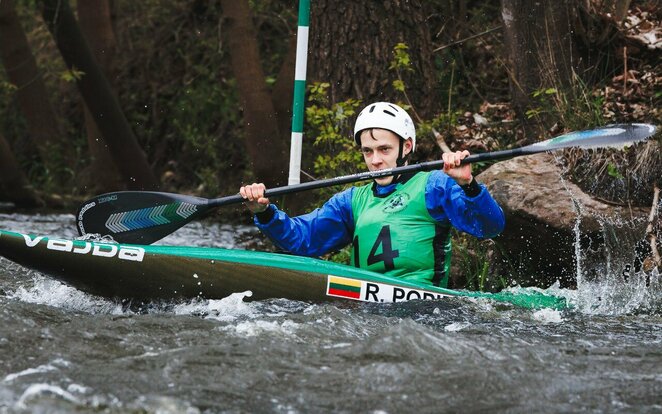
point(195, 96)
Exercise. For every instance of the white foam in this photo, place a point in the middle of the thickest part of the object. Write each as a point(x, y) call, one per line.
point(259, 327)
point(456, 326)
point(30, 371)
point(78, 389)
point(609, 297)
point(35, 391)
point(41, 369)
point(53, 293)
point(225, 310)
point(548, 316)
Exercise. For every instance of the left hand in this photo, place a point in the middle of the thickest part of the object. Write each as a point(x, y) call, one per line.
point(460, 173)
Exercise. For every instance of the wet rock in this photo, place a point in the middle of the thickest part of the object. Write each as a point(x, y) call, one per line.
point(554, 231)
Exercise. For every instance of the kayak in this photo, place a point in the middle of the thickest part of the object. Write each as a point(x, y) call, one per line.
point(155, 272)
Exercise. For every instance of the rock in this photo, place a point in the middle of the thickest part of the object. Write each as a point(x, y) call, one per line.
point(480, 120)
point(546, 216)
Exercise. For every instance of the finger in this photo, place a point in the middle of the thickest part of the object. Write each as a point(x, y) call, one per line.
point(256, 192)
point(458, 158)
point(447, 161)
point(450, 160)
point(250, 192)
point(261, 189)
point(245, 192)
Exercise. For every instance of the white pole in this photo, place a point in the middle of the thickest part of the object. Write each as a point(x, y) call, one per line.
point(298, 104)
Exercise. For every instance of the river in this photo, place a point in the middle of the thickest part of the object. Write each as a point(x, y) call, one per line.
point(64, 351)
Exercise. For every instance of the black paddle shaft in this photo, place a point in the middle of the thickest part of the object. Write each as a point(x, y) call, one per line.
point(367, 175)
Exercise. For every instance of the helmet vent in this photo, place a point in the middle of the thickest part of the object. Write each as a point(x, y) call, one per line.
point(390, 113)
point(372, 108)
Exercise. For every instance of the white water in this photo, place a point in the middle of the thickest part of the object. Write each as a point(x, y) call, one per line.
point(66, 351)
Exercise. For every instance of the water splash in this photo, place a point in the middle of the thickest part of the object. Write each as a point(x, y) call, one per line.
point(227, 309)
point(602, 269)
point(548, 316)
point(40, 391)
point(51, 292)
point(642, 294)
point(605, 283)
point(50, 367)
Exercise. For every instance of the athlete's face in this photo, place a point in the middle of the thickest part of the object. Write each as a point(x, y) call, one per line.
point(380, 151)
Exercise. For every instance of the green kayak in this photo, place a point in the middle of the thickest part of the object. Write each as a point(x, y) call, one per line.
point(170, 272)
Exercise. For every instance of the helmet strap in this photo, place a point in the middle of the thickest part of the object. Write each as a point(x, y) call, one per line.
point(402, 159)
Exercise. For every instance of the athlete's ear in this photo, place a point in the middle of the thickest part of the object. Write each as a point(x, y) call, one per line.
point(407, 147)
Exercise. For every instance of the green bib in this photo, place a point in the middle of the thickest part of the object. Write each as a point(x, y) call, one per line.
point(396, 235)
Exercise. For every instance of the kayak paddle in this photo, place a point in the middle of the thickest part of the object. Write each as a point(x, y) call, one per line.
point(144, 217)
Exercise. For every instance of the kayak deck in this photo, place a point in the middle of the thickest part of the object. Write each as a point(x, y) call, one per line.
point(171, 272)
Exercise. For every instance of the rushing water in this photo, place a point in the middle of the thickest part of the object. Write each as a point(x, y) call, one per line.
point(62, 350)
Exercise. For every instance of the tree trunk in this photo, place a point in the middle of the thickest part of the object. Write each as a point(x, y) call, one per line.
point(14, 186)
point(95, 89)
point(94, 17)
point(266, 149)
point(351, 47)
point(542, 54)
point(282, 93)
point(31, 93)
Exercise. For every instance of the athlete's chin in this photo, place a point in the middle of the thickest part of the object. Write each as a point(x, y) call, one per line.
point(384, 181)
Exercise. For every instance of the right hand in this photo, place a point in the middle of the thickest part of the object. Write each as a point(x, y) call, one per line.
point(254, 196)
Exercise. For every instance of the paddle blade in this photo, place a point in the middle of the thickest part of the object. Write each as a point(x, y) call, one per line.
point(138, 217)
point(616, 135)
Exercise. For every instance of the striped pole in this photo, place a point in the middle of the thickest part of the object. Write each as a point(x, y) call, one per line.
point(298, 104)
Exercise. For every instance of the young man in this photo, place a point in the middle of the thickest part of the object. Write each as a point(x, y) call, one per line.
point(398, 225)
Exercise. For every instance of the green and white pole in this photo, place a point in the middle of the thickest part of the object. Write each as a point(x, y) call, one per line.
point(298, 106)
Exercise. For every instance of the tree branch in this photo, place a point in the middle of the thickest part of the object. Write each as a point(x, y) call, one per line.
point(466, 39)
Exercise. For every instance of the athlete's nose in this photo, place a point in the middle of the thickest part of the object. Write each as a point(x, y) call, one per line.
point(376, 159)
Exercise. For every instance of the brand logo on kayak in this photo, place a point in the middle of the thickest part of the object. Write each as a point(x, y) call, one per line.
point(81, 213)
point(107, 198)
point(397, 203)
point(343, 287)
point(131, 253)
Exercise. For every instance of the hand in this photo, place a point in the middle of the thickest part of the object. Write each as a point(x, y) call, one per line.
point(254, 196)
point(460, 173)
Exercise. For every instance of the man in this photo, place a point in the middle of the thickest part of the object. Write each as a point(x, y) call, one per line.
point(397, 225)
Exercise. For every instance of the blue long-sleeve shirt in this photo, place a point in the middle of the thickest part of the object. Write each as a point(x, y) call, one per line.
point(331, 227)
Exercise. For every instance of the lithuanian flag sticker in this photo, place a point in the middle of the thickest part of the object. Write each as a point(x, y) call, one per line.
point(343, 287)
point(363, 290)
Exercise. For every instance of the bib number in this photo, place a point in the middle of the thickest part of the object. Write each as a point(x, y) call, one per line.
point(387, 255)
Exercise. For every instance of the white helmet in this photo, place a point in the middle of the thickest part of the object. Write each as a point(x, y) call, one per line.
point(385, 115)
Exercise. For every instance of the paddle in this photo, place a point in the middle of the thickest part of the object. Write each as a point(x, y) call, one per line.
point(144, 217)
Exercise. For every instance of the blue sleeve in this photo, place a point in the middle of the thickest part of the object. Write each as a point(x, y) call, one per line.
point(324, 230)
point(447, 203)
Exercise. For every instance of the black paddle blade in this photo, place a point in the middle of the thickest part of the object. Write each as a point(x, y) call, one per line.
point(138, 217)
